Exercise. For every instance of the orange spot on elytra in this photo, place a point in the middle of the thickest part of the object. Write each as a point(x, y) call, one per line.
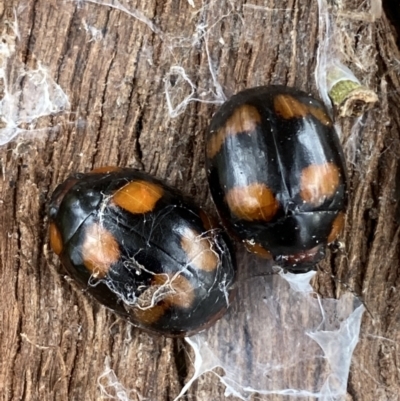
point(199, 250)
point(138, 196)
point(337, 227)
point(244, 119)
point(99, 250)
point(289, 107)
point(150, 315)
point(180, 291)
point(165, 291)
point(55, 239)
point(253, 202)
point(319, 182)
point(320, 115)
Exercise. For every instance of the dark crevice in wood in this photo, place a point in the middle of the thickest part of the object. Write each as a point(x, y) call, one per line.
point(160, 10)
point(138, 130)
point(16, 374)
point(65, 45)
point(39, 363)
point(249, 349)
point(249, 55)
point(274, 64)
point(24, 385)
point(334, 281)
point(79, 353)
point(181, 362)
point(351, 392)
point(155, 36)
point(292, 67)
point(18, 266)
point(392, 11)
point(31, 38)
point(133, 104)
point(26, 54)
point(370, 222)
point(397, 194)
point(104, 94)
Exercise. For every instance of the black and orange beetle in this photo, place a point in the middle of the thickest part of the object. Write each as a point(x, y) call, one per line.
point(277, 174)
point(142, 250)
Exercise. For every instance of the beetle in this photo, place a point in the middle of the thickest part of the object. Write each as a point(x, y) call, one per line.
point(277, 174)
point(142, 249)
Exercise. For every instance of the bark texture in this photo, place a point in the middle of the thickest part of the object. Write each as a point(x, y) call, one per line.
point(115, 62)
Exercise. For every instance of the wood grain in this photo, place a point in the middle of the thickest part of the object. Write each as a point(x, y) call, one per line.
point(114, 67)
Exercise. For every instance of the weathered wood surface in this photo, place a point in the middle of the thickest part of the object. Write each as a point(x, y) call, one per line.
point(114, 67)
